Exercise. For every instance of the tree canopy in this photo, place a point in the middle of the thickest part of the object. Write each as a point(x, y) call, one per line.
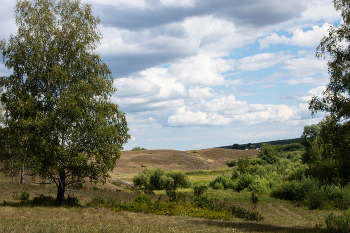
point(335, 98)
point(327, 148)
point(57, 98)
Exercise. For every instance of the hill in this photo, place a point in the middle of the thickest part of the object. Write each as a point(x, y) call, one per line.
point(132, 162)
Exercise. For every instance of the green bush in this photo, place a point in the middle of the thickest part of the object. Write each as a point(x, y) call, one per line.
point(294, 190)
point(71, 201)
point(338, 224)
point(316, 198)
point(231, 163)
point(259, 186)
point(222, 182)
point(244, 181)
point(199, 190)
point(160, 180)
point(143, 199)
point(339, 198)
point(140, 180)
point(138, 148)
point(43, 200)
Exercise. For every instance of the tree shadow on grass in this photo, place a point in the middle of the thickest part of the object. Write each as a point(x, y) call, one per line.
point(257, 227)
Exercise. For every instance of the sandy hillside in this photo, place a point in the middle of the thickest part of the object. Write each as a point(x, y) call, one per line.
point(131, 161)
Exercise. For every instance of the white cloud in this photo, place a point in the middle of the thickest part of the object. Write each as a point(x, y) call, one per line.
point(187, 117)
point(317, 91)
point(306, 66)
point(272, 39)
point(201, 93)
point(200, 70)
point(310, 38)
point(140, 4)
point(179, 3)
point(308, 80)
point(261, 61)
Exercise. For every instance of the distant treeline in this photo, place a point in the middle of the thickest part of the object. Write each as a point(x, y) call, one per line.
point(258, 145)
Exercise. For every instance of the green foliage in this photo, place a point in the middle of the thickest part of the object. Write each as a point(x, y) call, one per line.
point(231, 163)
point(326, 155)
point(157, 179)
point(293, 190)
point(71, 201)
point(23, 197)
point(43, 200)
point(57, 99)
point(95, 188)
point(244, 181)
point(260, 186)
point(338, 224)
point(293, 147)
point(243, 164)
point(143, 199)
point(267, 153)
point(222, 182)
point(198, 191)
point(138, 148)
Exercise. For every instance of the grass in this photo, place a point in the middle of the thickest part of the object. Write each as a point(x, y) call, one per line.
point(280, 216)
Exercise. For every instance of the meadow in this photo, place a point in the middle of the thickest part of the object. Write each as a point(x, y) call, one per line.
point(279, 215)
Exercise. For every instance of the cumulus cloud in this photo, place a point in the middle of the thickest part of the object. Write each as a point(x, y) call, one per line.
point(185, 117)
point(310, 38)
point(308, 80)
point(261, 61)
point(308, 65)
point(317, 91)
point(201, 93)
point(178, 3)
point(200, 70)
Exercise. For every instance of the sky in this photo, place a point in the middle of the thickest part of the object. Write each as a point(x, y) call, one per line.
point(196, 74)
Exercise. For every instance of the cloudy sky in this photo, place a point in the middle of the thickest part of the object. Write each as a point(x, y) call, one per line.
point(194, 74)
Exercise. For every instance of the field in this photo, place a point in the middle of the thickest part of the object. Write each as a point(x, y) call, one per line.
point(201, 166)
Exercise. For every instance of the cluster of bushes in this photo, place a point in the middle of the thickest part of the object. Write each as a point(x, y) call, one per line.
point(313, 195)
point(281, 175)
point(157, 179)
point(138, 148)
point(338, 224)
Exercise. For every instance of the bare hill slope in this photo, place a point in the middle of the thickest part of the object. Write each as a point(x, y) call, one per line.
point(131, 161)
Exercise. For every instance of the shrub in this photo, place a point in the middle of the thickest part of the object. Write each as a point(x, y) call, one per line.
point(95, 188)
point(43, 200)
point(222, 182)
point(198, 191)
point(24, 195)
point(316, 198)
point(140, 180)
point(338, 224)
point(244, 181)
point(259, 186)
point(71, 201)
point(339, 198)
point(243, 164)
point(231, 163)
point(143, 199)
point(138, 148)
point(293, 190)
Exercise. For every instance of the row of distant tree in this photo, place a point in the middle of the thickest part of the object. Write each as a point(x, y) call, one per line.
point(258, 145)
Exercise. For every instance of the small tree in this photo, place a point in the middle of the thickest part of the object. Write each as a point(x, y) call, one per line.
point(58, 95)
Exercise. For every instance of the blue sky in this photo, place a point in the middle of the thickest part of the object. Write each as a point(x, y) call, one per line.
point(195, 74)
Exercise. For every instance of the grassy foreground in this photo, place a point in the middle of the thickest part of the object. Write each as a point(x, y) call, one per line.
point(279, 216)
